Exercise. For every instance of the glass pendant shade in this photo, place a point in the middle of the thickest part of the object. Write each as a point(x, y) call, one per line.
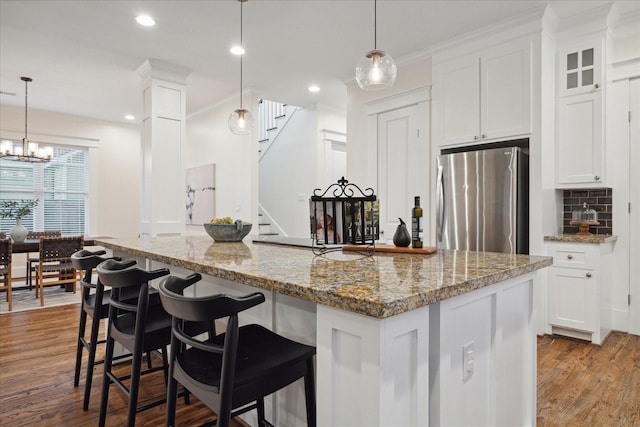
point(241, 122)
point(376, 70)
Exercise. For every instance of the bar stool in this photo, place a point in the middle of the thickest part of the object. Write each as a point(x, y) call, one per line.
point(234, 370)
point(94, 305)
point(137, 325)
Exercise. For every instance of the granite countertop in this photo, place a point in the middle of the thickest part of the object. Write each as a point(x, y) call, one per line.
point(574, 238)
point(379, 286)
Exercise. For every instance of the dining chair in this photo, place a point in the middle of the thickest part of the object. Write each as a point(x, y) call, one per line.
point(32, 261)
point(54, 263)
point(232, 372)
point(94, 305)
point(5, 267)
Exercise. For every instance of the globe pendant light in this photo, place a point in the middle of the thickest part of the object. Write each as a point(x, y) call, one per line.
point(377, 70)
point(241, 120)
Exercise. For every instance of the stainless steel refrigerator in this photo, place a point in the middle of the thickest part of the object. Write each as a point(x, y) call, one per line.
point(483, 200)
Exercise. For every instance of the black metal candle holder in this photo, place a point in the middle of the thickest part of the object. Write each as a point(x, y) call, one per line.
point(343, 214)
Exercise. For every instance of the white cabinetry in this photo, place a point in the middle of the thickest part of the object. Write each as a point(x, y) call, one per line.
point(484, 97)
point(579, 293)
point(580, 130)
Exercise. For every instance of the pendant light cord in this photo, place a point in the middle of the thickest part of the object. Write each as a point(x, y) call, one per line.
point(375, 24)
point(242, 47)
point(26, 85)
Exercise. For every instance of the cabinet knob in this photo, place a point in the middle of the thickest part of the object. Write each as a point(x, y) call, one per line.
point(597, 178)
point(483, 136)
point(596, 86)
point(588, 274)
point(569, 256)
point(475, 137)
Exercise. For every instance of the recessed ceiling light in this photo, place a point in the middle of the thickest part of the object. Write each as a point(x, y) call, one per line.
point(129, 117)
point(145, 20)
point(314, 88)
point(237, 50)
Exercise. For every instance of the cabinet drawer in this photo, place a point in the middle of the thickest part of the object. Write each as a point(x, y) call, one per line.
point(573, 257)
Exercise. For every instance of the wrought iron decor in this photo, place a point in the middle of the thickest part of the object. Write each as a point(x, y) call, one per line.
point(343, 214)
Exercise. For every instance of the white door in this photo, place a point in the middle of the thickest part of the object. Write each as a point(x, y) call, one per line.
point(403, 166)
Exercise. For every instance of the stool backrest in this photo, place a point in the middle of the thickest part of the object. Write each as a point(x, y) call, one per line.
point(205, 308)
point(129, 285)
point(87, 261)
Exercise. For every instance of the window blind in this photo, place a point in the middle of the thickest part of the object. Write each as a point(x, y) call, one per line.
point(59, 185)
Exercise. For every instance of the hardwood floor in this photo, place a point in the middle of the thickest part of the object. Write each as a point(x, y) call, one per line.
point(578, 384)
point(37, 360)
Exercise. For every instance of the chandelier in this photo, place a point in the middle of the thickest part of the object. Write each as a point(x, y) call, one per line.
point(27, 151)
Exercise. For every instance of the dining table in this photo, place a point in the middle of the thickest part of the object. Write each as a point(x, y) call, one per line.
point(33, 245)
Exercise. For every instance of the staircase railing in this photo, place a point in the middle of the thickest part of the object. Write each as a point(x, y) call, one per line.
point(268, 113)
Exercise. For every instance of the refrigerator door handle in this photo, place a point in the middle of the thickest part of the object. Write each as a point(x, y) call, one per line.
point(440, 205)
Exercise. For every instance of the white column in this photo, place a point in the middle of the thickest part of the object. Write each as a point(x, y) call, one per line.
point(163, 148)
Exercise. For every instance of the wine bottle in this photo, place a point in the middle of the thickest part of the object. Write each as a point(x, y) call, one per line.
point(416, 219)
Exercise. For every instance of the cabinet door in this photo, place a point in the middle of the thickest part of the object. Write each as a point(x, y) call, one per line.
point(572, 298)
point(580, 69)
point(505, 91)
point(580, 150)
point(457, 100)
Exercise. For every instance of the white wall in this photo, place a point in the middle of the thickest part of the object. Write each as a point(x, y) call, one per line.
point(410, 76)
point(330, 161)
point(288, 174)
point(114, 166)
point(209, 140)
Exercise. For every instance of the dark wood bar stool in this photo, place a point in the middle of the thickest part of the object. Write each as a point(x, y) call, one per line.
point(137, 325)
point(234, 370)
point(94, 305)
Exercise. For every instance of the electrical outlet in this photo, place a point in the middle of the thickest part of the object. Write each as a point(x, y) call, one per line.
point(467, 361)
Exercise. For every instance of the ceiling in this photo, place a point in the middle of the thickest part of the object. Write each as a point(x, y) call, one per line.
point(83, 55)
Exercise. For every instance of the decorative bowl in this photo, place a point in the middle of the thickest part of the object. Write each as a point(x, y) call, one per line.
point(227, 232)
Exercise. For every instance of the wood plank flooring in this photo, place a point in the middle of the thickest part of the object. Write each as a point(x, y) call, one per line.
point(37, 360)
point(579, 384)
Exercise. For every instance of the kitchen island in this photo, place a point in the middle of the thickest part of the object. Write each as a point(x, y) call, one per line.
point(390, 329)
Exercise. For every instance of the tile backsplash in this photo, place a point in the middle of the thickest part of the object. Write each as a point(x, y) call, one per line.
point(598, 199)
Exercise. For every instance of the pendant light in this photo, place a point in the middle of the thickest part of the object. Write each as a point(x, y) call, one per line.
point(241, 120)
point(28, 151)
point(377, 70)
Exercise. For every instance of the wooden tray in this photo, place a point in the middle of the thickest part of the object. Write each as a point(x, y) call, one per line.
point(427, 250)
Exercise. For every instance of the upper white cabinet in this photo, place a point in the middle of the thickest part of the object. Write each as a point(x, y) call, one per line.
point(485, 96)
point(580, 69)
point(580, 136)
point(580, 116)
